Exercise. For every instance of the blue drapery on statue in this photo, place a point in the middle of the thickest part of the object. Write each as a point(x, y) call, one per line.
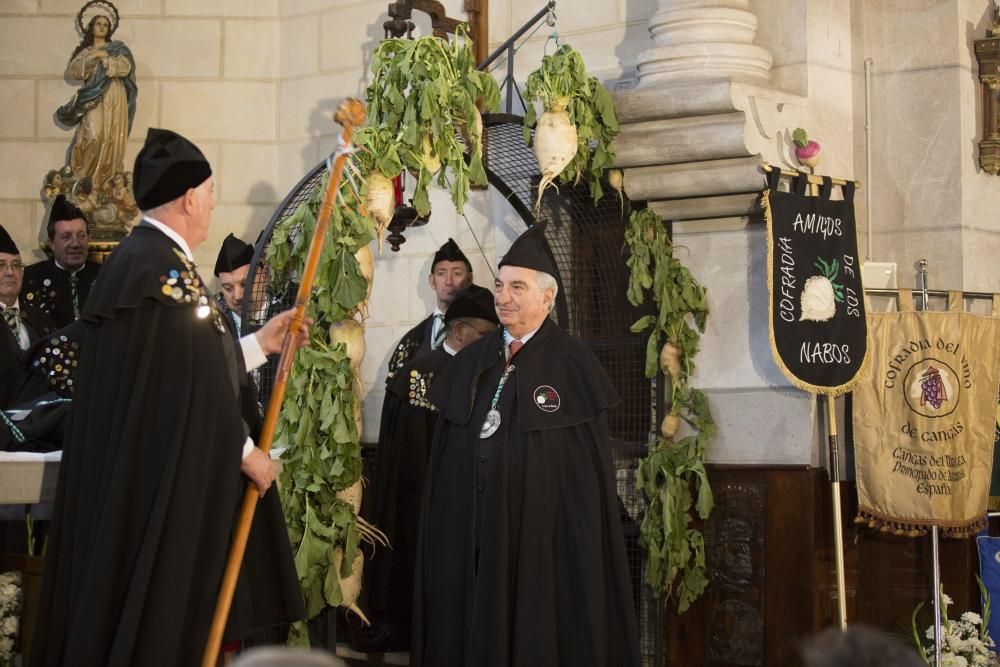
point(93, 89)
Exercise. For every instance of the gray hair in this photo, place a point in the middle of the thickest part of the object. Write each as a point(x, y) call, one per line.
point(546, 281)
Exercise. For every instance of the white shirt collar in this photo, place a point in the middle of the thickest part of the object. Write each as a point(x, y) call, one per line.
point(507, 338)
point(72, 273)
point(173, 235)
point(451, 352)
point(438, 311)
point(16, 304)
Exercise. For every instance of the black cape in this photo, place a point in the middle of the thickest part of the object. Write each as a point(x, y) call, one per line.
point(12, 358)
point(521, 558)
point(405, 434)
point(269, 595)
point(150, 477)
point(46, 287)
point(414, 342)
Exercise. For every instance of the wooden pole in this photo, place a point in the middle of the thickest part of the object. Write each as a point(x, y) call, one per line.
point(838, 525)
point(350, 113)
point(479, 28)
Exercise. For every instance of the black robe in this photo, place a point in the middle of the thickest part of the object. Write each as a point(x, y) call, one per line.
point(150, 477)
point(46, 287)
point(12, 358)
point(414, 342)
point(405, 434)
point(521, 558)
point(268, 594)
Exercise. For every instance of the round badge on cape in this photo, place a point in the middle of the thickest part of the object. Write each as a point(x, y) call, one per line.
point(546, 398)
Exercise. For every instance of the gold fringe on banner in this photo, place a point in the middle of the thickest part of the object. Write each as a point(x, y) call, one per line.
point(839, 390)
point(902, 528)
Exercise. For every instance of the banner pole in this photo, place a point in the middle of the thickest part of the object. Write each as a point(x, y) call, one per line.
point(838, 525)
point(935, 537)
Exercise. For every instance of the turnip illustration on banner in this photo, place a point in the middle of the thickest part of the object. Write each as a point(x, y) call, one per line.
point(818, 323)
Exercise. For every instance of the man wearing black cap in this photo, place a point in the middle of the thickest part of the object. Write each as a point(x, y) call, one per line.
point(521, 556)
point(59, 286)
point(405, 435)
point(231, 268)
point(150, 477)
point(451, 272)
point(21, 325)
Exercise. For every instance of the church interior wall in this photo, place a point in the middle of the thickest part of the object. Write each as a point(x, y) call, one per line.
point(255, 83)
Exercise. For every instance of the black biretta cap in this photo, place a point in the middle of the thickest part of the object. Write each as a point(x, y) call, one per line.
point(474, 301)
point(61, 210)
point(529, 251)
point(450, 252)
point(7, 244)
point(167, 166)
point(233, 254)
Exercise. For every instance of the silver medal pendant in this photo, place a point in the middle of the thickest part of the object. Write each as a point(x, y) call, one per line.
point(491, 424)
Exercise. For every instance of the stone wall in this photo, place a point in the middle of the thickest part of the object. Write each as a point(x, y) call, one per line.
point(206, 69)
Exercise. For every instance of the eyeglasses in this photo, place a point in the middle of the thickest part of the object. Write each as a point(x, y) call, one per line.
point(16, 267)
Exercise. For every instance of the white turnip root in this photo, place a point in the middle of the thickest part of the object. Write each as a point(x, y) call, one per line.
point(350, 587)
point(555, 147)
point(428, 157)
point(352, 495)
point(477, 139)
point(352, 335)
point(670, 360)
point(669, 426)
point(366, 266)
point(380, 202)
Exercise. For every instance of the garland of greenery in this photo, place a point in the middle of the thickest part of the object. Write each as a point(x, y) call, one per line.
point(672, 475)
point(426, 92)
point(562, 82)
point(316, 425)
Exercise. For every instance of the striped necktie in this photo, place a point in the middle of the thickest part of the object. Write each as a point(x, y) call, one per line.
point(74, 291)
point(13, 319)
point(441, 331)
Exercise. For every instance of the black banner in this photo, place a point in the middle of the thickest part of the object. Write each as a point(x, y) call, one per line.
point(818, 326)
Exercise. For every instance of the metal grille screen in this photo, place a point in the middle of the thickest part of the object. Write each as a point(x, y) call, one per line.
point(587, 244)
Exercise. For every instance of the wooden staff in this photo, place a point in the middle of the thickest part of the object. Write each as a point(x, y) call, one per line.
point(349, 114)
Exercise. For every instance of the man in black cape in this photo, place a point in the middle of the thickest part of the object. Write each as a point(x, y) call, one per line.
point(451, 272)
point(231, 268)
point(405, 434)
point(150, 477)
point(521, 559)
point(273, 581)
point(21, 324)
point(59, 286)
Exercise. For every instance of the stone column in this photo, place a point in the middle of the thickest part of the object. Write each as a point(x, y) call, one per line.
point(703, 39)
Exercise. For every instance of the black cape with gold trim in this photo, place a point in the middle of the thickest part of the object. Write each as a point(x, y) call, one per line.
point(414, 342)
point(12, 357)
point(551, 584)
point(150, 476)
point(46, 287)
point(405, 434)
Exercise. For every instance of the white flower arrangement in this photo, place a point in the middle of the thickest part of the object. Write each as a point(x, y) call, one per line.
point(10, 614)
point(965, 642)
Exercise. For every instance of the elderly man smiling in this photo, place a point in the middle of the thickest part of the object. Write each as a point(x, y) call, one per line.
point(521, 557)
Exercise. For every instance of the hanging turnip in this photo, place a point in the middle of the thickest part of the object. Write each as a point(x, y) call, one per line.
point(427, 89)
point(555, 146)
point(573, 135)
point(352, 335)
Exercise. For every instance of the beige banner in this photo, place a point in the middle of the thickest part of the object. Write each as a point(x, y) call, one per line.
point(924, 419)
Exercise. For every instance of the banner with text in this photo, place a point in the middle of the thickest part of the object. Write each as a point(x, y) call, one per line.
point(924, 420)
point(818, 324)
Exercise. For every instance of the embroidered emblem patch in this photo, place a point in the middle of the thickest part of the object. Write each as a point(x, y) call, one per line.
point(546, 398)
